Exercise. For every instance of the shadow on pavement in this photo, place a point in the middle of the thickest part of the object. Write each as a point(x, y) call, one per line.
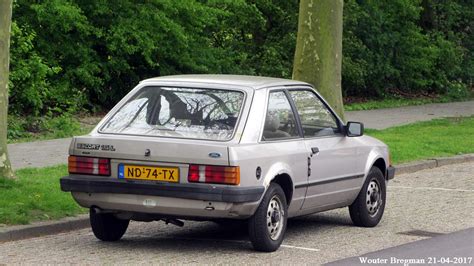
point(211, 236)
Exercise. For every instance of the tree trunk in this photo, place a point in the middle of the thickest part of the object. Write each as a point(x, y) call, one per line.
point(318, 52)
point(5, 28)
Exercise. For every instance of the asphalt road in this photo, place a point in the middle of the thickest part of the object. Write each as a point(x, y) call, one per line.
point(39, 153)
point(453, 248)
point(384, 118)
point(420, 205)
point(54, 152)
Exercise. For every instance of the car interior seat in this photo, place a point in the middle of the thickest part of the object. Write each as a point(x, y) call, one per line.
point(271, 129)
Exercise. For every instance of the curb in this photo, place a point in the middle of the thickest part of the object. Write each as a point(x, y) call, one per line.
point(18, 232)
point(432, 163)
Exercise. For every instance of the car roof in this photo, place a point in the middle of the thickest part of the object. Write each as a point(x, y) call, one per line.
point(255, 82)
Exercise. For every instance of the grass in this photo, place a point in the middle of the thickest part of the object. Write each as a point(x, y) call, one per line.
point(52, 134)
point(398, 102)
point(35, 195)
point(21, 129)
point(423, 140)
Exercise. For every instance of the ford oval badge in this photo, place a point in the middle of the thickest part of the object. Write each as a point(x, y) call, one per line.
point(215, 155)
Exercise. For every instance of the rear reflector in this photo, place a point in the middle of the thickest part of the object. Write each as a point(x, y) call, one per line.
point(88, 165)
point(214, 174)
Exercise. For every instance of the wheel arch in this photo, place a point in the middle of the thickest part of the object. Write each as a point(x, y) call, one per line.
point(285, 182)
point(281, 174)
point(379, 159)
point(381, 164)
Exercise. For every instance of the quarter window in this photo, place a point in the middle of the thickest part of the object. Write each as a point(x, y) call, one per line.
point(279, 120)
point(316, 119)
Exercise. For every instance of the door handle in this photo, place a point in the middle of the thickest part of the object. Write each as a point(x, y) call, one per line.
point(314, 150)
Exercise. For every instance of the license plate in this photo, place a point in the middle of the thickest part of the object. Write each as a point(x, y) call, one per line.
point(166, 174)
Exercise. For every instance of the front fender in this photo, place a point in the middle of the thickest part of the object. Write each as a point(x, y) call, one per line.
point(375, 154)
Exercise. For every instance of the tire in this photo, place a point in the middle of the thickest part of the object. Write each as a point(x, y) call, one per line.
point(267, 226)
point(368, 208)
point(106, 226)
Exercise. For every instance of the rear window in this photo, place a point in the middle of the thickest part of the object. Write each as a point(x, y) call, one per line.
point(179, 113)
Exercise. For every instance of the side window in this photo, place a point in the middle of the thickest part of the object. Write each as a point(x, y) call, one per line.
point(280, 120)
point(316, 119)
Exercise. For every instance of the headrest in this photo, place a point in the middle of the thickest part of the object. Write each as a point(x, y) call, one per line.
point(272, 122)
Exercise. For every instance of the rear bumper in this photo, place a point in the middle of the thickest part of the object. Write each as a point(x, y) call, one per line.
point(205, 192)
point(390, 172)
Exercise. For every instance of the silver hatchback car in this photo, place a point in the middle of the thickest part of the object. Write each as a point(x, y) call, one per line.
point(221, 148)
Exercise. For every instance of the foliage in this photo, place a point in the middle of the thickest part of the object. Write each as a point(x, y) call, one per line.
point(21, 129)
point(28, 75)
point(35, 195)
point(423, 140)
point(32, 90)
point(68, 55)
point(385, 47)
point(257, 35)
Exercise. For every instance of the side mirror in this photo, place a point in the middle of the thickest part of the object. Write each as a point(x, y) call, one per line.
point(354, 129)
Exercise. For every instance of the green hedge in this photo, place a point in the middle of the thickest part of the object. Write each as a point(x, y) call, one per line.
point(75, 54)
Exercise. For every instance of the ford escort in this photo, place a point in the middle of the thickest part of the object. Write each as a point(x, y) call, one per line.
point(221, 148)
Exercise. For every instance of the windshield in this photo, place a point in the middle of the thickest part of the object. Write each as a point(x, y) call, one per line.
point(178, 112)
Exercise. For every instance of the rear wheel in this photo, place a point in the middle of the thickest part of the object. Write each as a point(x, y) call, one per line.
point(268, 225)
point(368, 208)
point(106, 226)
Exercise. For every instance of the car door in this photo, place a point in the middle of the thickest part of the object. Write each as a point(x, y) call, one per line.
point(282, 143)
point(332, 156)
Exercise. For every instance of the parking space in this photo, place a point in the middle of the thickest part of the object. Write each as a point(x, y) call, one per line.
point(419, 205)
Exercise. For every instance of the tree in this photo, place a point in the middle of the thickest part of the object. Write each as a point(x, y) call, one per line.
point(5, 27)
point(318, 52)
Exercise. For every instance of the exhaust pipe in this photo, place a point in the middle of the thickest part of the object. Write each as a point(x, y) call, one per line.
point(96, 209)
point(174, 221)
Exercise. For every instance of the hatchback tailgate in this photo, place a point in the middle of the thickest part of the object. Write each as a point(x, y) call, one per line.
point(183, 151)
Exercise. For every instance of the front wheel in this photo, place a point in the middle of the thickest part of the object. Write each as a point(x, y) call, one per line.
point(106, 226)
point(368, 208)
point(268, 224)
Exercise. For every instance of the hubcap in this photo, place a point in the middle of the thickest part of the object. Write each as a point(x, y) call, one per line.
point(373, 198)
point(275, 214)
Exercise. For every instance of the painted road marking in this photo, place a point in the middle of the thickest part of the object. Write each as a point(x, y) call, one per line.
point(302, 248)
point(234, 241)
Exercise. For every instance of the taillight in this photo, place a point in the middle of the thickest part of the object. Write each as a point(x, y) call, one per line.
point(214, 174)
point(88, 165)
point(193, 174)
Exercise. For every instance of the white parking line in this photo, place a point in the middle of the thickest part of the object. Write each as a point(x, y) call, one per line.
point(236, 241)
point(303, 248)
point(433, 188)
